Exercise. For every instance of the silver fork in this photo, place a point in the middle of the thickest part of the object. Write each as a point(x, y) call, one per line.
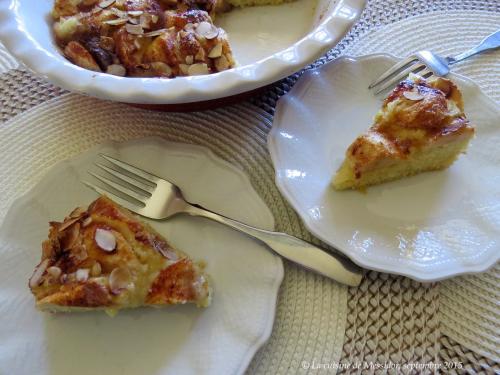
point(427, 63)
point(156, 198)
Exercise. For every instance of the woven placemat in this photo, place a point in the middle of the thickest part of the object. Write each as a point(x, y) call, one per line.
point(311, 310)
point(389, 319)
point(468, 306)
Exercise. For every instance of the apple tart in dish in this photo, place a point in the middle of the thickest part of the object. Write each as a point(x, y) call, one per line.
point(104, 258)
point(142, 38)
point(146, 38)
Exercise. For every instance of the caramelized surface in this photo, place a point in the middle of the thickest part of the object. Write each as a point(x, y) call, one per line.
point(132, 266)
point(114, 36)
point(417, 117)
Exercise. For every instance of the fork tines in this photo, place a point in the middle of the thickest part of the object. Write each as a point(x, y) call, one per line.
point(399, 72)
point(134, 183)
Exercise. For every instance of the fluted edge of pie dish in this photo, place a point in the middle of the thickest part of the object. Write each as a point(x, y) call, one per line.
point(181, 89)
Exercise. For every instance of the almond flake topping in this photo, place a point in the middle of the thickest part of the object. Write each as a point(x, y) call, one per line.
point(106, 3)
point(116, 22)
point(135, 13)
point(86, 221)
point(77, 212)
point(105, 239)
point(82, 274)
point(36, 278)
point(162, 68)
point(413, 95)
point(119, 13)
point(67, 223)
point(155, 33)
point(207, 30)
point(198, 69)
point(96, 269)
point(119, 279)
point(221, 63)
point(184, 68)
point(216, 51)
point(134, 29)
point(54, 272)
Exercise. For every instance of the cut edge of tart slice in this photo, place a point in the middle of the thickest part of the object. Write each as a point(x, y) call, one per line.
point(105, 258)
point(420, 127)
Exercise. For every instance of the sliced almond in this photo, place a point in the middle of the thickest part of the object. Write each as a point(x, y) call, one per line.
point(145, 20)
point(116, 22)
point(216, 51)
point(189, 26)
point(77, 212)
point(200, 55)
point(82, 274)
point(134, 21)
point(154, 33)
point(116, 70)
point(162, 68)
point(207, 30)
point(168, 253)
point(154, 18)
point(86, 222)
point(70, 237)
point(96, 269)
point(120, 279)
point(221, 63)
point(134, 29)
point(54, 272)
point(184, 68)
point(79, 253)
point(135, 13)
point(67, 223)
point(36, 278)
point(189, 59)
point(413, 95)
point(105, 239)
point(119, 13)
point(106, 3)
point(198, 69)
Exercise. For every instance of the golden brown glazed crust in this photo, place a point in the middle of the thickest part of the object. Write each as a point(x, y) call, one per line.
point(78, 270)
point(417, 113)
point(184, 40)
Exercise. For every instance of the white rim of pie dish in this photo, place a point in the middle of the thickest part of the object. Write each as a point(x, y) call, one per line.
point(181, 89)
point(413, 272)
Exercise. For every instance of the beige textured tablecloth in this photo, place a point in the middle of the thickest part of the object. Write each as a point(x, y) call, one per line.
point(388, 319)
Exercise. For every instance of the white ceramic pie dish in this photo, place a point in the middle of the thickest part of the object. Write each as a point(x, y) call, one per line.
point(429, 227)
point(269, 43)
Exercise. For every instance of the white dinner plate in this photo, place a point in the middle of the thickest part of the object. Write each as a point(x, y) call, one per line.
point(428, 227)
point(220, 339)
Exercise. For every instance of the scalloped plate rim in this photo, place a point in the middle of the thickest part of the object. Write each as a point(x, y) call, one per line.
point(43, 183)
point(417, 272)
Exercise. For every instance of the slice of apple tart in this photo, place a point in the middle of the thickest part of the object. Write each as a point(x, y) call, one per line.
point(104, 258)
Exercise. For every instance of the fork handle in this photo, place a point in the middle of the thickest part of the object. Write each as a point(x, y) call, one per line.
point(294, 249)
point(490, 42)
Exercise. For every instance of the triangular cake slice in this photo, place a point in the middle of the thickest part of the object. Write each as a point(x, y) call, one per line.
point(421, 127)
point(104, 258)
